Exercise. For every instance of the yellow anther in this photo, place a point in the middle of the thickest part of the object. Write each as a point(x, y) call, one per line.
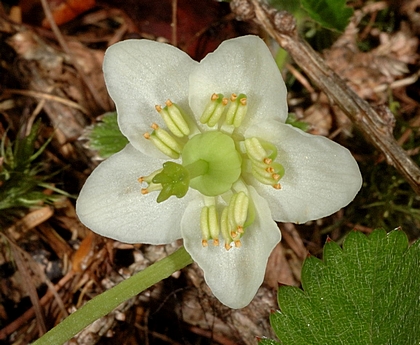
point(267, 161)
point(174, 119)
point(237, 110)
point(141, 179)
point(215, 242)
point(146, 135)
point(204, 243)
point(270, 170)
point(240, 229)
point(277, 186)
point(238, 244)
point(263, 176)
point(165, 143)
point(227, 246)
point(233, 234)
point(276, 176)
point(154, 126)
point(144, 191)
point(214, 110)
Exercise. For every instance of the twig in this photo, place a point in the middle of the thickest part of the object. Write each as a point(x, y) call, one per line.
point(376, 124)
point(28, 285)
point(48, 97)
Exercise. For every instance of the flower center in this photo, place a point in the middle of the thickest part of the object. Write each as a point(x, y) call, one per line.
point(222, 161)
point(213, 163)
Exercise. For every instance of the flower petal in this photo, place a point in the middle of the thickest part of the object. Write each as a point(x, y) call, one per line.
point(241, 65)
point(140, 74)
point(111, 203)
point(321, 176)
point(235, 275)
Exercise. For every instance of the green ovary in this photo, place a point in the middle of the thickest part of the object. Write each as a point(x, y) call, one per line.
point(223, 162)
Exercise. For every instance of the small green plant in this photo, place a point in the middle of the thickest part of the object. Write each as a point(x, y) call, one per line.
point(105, 136)
point(23, 180)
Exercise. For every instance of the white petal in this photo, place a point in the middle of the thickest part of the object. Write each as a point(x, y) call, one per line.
point(321, 176)
point(241, 65)
point(234, 276)
point(111, 204)
point(140, 74)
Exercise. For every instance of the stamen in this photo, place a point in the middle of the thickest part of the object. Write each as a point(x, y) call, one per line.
point(224, 228)
point(209, 224)
point(238, 244)
point(264, 168)
point(164, 142)
point(263, 176)
point(277, 186)
point(152, 187)
point(204, 224)
point(149, 177)
point(214, 110)
point(174, 118)
point(275, 176)
point(237, 110)
point(255, 150)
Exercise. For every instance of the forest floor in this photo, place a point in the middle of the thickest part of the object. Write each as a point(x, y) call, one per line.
point(52, 89)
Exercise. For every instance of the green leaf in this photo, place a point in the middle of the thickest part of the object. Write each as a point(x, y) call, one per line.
point(23, 178)
point(366, 293)
point(106, 137)
point(331, 14)
point(293, 120)
point(264, 341)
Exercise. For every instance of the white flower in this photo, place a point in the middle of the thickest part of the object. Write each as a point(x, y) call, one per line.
point(234, 163)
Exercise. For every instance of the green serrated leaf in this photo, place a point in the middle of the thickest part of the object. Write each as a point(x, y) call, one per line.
point(366, 293)
point(106, 137)
point(264, 341)
point(331, 14)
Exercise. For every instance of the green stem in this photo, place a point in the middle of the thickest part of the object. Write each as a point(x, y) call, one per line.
point(109, 300)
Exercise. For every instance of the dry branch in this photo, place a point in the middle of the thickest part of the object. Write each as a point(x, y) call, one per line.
point(376, 124)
